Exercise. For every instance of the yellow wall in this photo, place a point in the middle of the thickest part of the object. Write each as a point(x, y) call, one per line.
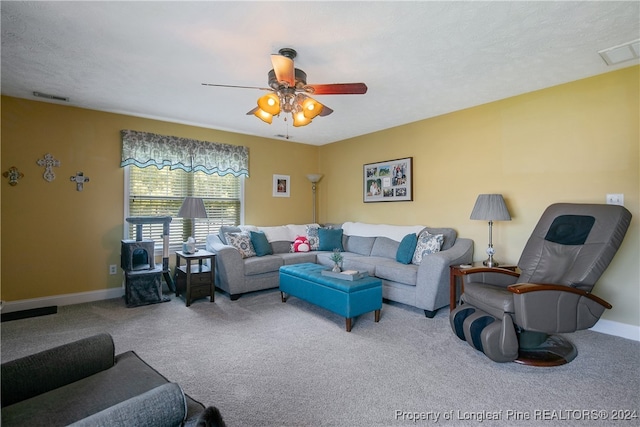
point(56, 240)
point(571, 143)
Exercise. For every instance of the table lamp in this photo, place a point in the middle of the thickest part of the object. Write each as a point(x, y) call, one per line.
point(192, 207)
point(490, 207)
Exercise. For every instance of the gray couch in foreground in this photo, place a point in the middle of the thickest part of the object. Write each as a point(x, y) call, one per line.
point(84, 383)
point(367, 247)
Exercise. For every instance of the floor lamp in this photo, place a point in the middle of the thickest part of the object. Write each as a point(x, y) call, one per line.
point(314, 178)
point(490, 207)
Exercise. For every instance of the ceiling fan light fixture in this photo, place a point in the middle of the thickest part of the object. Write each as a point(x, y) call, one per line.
point(311, 108)
point(263, 115)
point(270, 103)
point(299, 119)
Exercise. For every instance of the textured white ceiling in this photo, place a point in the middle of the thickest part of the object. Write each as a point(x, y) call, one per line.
point(419, 59)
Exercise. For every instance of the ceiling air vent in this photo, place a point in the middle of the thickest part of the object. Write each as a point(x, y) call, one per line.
point(49, 96)
point(621, 53)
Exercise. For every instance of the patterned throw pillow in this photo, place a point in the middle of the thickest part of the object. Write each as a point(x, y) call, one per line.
point(427, 244)
point(312, 237)
point(242, 242)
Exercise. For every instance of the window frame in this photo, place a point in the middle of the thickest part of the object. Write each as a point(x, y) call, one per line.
point(158, 247)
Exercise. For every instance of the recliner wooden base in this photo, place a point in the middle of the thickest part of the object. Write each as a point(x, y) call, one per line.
point(555, 351)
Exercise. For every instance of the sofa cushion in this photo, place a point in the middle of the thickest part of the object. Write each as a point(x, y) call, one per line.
point(359, 245)
point(397, 272)
point(298, 257)
point(159, 407)
point(280, 232)
point(281, 246)
point(449, 235)
point(129, 377)
point(84, 358)
point(242, 242)
point(385, 247)
point(330, 239)
point(260, 243)
point(428, 244)
point(407, 247)
point(393, 232)
point(261, 265)
point(362, 263)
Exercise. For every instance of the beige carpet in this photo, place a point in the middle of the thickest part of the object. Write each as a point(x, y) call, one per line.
point(265, 363)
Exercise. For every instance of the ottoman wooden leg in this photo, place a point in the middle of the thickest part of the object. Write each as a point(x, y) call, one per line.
point(282, 297)
point(377, 316)
point(348, 319)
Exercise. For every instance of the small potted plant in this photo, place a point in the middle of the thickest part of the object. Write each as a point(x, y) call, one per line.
point(337, 258)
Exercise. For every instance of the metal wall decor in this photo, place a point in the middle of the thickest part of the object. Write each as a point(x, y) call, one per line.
point(80, 179)
point(14, 175)
point(49, 163)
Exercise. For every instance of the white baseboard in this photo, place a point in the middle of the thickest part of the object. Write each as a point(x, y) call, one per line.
point(60, 300)
point(618, 329)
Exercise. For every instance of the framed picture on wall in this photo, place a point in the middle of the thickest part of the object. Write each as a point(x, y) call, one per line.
point(388, 181)
point(281, 185)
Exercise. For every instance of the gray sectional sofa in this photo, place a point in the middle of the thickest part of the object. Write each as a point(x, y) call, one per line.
point(366, 247)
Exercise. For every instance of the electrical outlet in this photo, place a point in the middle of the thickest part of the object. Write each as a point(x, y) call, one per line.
point(615, 199)
point(113, 269)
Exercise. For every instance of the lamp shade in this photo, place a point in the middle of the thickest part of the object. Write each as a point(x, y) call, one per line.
point(490, 207)
point(270, 103)
point(263, 115)
point(299, 119)
point(192, 207)
point(314, 177)
point(311, 108)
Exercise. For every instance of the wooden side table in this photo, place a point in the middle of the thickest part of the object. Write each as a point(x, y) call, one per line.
point(196, 282)
point(457, 271)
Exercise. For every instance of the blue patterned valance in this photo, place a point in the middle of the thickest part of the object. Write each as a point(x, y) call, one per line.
point(144, 149)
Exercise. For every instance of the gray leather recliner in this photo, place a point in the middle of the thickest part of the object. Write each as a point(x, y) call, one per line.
point(512, 316)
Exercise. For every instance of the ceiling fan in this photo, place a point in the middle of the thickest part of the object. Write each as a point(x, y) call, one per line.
point(290, 93)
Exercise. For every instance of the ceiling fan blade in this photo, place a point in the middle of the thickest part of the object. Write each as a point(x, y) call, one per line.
point(283, 68)
point(237, 87)
point(325, 111)
point(253, 111)
point(338, 89)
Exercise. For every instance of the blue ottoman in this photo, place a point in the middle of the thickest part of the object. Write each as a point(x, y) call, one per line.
point(343, 297)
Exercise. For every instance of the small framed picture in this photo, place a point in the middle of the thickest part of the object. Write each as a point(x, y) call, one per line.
point(388, 181)
point(281, 185)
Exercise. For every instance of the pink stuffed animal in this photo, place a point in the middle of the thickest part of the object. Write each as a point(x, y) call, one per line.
point(301, 244)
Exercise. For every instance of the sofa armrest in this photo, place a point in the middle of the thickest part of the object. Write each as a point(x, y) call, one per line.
point(41, 372)
point(229, 263)
point(433, 274)
point(162, 406)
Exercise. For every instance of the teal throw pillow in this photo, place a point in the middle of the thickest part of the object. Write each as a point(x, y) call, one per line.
point(260, 243)
point(330, 239)
point(407, 248)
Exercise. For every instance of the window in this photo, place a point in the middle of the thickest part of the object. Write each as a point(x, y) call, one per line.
point(159, 192)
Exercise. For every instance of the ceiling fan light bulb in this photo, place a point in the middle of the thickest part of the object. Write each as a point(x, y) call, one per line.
point(311, 108)
point(270, 103)
point(299, 119)
point(264, 116)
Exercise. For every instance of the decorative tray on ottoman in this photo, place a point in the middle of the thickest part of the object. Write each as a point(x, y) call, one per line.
point(346, 274)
